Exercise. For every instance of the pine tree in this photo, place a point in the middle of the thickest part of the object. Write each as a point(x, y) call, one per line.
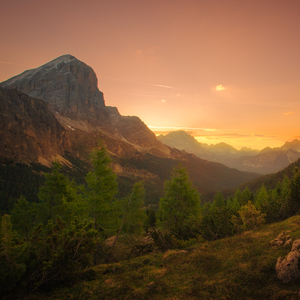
point(262, 197)
point(179, 205)
point(55, 196)
point(246, 196)
point(102, 206)
point(219, 201)
point(133, 212)
point(23, 217)
point(294, 196)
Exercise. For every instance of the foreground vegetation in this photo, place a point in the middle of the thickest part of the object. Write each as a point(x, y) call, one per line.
point(238, 267)
point(80, 241)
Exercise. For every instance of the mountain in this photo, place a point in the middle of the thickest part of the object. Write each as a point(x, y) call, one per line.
point(265, 161)
point(67, 92)
point(221, 152)
point(68, 85)
point(29, 131)
point(271, 160)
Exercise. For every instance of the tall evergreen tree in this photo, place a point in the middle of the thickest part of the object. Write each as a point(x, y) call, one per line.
point(23, 217)
point(295, 192)
point(102, 205)
point(219, 201)
point(262, 197)
point(55, 196)
point(180, 204)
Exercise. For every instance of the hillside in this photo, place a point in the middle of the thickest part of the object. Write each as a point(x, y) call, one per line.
point(239, 267)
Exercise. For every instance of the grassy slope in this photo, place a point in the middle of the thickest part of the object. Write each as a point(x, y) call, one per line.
point(239, 267)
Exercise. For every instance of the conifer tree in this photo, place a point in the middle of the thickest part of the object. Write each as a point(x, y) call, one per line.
point(219, 201)
point(102, 206)
point(246, 196)
point(294, 197)
point(179, 205)
point(23, 217)
point(55, 196)
point(262, 197)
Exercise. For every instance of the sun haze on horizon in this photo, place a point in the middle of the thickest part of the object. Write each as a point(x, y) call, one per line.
point(232, 66)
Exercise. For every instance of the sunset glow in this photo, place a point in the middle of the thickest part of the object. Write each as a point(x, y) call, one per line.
point(227, 71)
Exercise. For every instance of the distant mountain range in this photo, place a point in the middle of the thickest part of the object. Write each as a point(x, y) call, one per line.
point(56, 112)
point(265, 161)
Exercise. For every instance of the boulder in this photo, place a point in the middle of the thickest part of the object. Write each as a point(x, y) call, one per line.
point(287, 269)
point(282, 240)
point(296, 245)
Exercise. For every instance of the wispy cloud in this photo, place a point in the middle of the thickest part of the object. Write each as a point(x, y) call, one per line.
point(164, 86)
point(288, 113)
point(149, 51)
point(151, 84)
point(13, 64)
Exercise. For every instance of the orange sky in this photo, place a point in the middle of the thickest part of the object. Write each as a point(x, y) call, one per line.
point(225, 70)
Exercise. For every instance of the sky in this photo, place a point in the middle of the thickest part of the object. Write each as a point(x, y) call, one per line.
point(223, 70)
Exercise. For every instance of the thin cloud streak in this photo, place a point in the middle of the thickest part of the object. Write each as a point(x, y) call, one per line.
point(151, 84)
point(12, 64)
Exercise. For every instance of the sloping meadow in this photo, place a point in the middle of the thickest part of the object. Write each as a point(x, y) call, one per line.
point(239, 267)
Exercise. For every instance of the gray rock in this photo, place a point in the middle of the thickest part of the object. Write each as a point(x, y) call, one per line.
point(288, 242)
point(281, 240)
point(287, 269)
point(296, 245)
point(68, 85)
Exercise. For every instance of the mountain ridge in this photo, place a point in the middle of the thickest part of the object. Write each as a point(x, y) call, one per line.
point(70, 88)
point(266, 161)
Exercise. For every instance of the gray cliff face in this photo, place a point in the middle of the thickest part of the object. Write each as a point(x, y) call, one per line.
point(29, 132)
point(68, 85)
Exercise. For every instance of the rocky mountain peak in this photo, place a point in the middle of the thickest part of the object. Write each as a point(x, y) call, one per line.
point(68, 85)
point(293, 145)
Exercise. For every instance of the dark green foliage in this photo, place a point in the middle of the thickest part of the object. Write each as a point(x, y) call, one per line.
point(219, 200)
point(262, 197)
point(180, 204)
point(102, 206)
point(58, 253)
point(150, 220)
point(17, 180)
point(23, 217)
point(12, 267)
point(55, 194)
point(166, 241)
point(246, 196)
point(295, 192)
point(216, 224)
point(134, 214)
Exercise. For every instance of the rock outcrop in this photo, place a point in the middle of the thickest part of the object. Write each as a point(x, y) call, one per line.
point(29, 132)
point(68, 85)
point(282, 240)
point(287, 269)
